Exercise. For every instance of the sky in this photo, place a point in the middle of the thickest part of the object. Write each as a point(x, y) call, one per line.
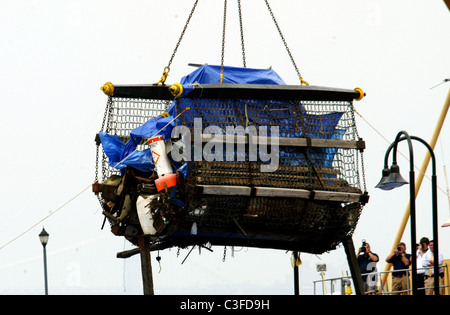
point(55, 56)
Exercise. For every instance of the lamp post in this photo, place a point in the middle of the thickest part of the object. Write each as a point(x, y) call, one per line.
point(43, 237)
point(392, 179)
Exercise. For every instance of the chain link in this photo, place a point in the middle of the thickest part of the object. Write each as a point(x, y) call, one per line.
point(285, 44)
point(107, 115)
point(167, 68)
point(242, 33)
point(224, 253)
point(223, 39)
point(182, 33)
point(363, 174)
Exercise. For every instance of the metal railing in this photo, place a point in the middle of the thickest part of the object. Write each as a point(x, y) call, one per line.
point(344, 285)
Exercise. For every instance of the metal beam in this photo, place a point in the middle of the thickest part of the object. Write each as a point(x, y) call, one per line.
point(240, 91)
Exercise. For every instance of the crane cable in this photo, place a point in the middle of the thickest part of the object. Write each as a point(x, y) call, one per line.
point(399, 152)
point(445, 175)
point(47, 216)
point(53, 175)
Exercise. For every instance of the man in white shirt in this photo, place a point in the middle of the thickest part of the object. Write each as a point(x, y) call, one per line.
point(421, 272)
point(427, 261)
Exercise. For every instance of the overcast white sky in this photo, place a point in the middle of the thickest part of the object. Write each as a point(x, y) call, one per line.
point(55, 56)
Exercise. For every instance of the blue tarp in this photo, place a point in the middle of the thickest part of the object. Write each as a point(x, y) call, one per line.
point(122, 154)
point(232, 75)
point(117, 151)
point(210, 74)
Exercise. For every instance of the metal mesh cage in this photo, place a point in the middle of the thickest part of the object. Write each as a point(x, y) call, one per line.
point(308, 201)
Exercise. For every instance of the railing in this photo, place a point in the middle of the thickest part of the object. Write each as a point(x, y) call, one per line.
point(344, 285)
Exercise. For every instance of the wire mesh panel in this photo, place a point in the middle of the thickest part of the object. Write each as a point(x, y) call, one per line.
point(127, 114)
point(325, 168)
point(312, 225)
point(122, 115)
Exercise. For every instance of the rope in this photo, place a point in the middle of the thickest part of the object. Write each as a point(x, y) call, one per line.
point(445, 174)
point(402, 154)
point(46, 217)
point(55, 172)
point(77, 195)
point(87, 241)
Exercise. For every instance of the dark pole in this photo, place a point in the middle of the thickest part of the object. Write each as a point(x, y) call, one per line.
point(412, 203)
point(412, 196)
point(43, 237)
point(296, 282)
point(435, 215)
point(146, 266)
point(45, 269)
point(412, 208)
point(435, 237)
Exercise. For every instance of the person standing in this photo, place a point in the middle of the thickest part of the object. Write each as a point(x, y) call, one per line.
point(400, 260)
point(421, 272)
point(368, 266)
point(428, 261)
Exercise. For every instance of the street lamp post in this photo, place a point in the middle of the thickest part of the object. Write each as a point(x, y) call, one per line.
point(392, 179)
point(43, 237)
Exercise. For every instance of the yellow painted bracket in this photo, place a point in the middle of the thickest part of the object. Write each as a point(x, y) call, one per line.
point(108, 88)
point(361, 94)
point(164, 76)
point(303, 82)
point(176, 90)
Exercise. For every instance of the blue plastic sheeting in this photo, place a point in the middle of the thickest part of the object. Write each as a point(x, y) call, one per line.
point(292, 120)
point(313, 126)
point(210, 74)
point(122, 154)
point(117, 151)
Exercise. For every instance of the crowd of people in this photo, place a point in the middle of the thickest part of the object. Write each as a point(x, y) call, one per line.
point(401, 262)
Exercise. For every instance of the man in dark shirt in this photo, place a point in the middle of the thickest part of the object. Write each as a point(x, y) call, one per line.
point(368, 264)
point(401, 261)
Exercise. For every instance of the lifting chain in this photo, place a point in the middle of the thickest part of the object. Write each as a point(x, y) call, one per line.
point(167, 68)
point(223, 40)
point(242, 33)
point(223, 37)
point(106, 117)
point(224, 253)
point(285, 44)
point(363, 173)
